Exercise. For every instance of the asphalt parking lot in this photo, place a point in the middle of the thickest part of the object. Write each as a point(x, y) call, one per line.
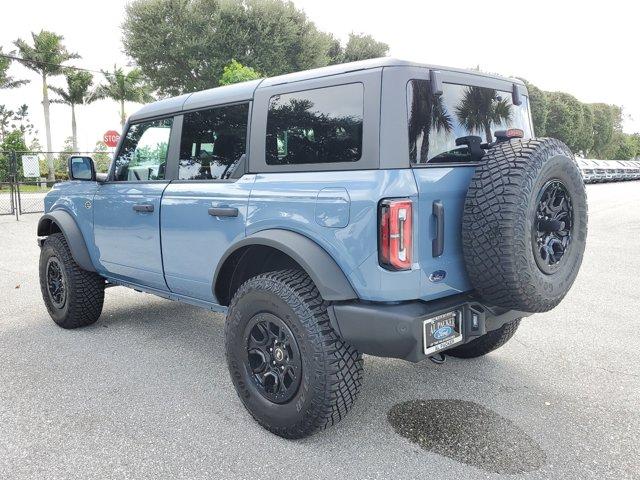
point(145, 393)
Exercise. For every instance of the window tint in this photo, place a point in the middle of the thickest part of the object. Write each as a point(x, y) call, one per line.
point(143, 155)
point(435, 122)
point(213, 141)
point(316, 126)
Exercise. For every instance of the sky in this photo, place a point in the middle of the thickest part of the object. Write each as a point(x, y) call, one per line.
point(588, 49)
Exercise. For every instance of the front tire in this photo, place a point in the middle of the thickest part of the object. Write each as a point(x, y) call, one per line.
point(73, 296)
point(291, 370)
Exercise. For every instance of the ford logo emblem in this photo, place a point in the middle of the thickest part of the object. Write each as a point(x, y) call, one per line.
point(437, 276)
point(443, 332)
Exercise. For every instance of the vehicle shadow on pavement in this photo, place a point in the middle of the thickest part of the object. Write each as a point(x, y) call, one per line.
point(153, 348)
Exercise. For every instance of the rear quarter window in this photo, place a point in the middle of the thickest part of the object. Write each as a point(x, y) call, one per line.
point(435, 122)
point(323, 125)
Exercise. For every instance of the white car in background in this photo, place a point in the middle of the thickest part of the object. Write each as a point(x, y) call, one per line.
point(587, 170)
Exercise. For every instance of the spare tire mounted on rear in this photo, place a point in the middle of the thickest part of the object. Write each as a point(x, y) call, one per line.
point(524, 225)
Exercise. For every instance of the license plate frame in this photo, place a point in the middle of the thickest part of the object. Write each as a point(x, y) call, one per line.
point(441, 323)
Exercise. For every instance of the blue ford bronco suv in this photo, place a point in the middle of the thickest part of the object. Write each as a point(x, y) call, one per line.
point(381, 207)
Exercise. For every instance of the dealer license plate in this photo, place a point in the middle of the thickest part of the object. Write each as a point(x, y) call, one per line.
point(442, 331)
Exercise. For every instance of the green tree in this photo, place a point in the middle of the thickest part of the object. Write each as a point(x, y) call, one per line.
point(15, 120)
point(622, 147)
point(235, 72)
point(62, 160)
point(45, 56)
point(635, 140)
point(101, 157)
point(361, 47)
point(539, 105)
point(565, 119)
point(5, 80)
point(5, 121)
point(603, 128)
point(193, 40)
point(594, 130)
point(13, 141)
point(585, 132)
point(22, 121)
point(77, 93)
point(480, 109)
point(124, 87)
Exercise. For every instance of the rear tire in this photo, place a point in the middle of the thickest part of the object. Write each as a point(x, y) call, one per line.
point(277, 326)
point(488, 342)
point(73, 296)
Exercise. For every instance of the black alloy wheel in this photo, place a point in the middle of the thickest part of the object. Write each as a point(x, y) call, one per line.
point(273, 357)
point(552, 226)
point(56, 284)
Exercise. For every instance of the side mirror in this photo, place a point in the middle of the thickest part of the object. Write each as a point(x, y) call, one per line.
point(82, 168)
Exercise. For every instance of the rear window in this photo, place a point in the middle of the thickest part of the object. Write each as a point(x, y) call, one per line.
point(316, 126)
point(435, 122)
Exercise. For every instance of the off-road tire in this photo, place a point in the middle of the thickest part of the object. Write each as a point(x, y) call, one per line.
point(331, 370)
point(498, 218)
point(84, 290)
point(488, 342)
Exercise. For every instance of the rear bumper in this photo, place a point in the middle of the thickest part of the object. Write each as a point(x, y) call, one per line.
point(395, 330)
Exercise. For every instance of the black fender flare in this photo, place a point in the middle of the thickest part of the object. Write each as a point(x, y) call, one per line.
point(72, 234)
point(328, 277)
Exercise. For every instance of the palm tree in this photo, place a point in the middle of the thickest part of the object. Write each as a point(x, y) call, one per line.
point(125, 87)
point(480, 108)
point(5, 80)
point(45, 56)
point(77, 93)
point(427, 112)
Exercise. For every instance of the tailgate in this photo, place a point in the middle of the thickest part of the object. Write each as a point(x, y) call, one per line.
point(444, 274)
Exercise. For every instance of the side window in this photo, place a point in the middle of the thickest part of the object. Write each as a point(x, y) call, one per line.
point(143, 155)
point(436, 122)
point(213, 142)
point(316, 126)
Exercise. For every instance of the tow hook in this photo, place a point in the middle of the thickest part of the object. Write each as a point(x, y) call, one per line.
point(438, 358)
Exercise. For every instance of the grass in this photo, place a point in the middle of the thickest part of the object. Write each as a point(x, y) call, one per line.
point(27, 189)
point(34, 188)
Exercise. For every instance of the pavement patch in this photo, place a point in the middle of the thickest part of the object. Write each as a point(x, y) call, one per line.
point(469, 433)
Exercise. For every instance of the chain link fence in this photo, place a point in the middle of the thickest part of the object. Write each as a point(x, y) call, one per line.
point(7, 183)
point(27, 177)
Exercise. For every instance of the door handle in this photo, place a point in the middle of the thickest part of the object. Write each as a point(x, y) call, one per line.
point(143, 207)
point(437, 244)
point(223, 212)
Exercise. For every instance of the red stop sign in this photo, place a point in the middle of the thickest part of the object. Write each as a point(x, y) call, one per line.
point(111, 138)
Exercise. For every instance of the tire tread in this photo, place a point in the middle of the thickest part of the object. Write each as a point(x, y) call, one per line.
point(85, 290)
point(336, 386)
point(495, 220)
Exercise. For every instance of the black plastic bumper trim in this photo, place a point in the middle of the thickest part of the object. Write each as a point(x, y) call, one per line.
point(395, 330)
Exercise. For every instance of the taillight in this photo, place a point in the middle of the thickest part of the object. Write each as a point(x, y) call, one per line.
point(395, 235)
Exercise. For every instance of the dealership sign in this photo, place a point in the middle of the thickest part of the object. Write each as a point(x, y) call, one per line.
point(30, 166)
